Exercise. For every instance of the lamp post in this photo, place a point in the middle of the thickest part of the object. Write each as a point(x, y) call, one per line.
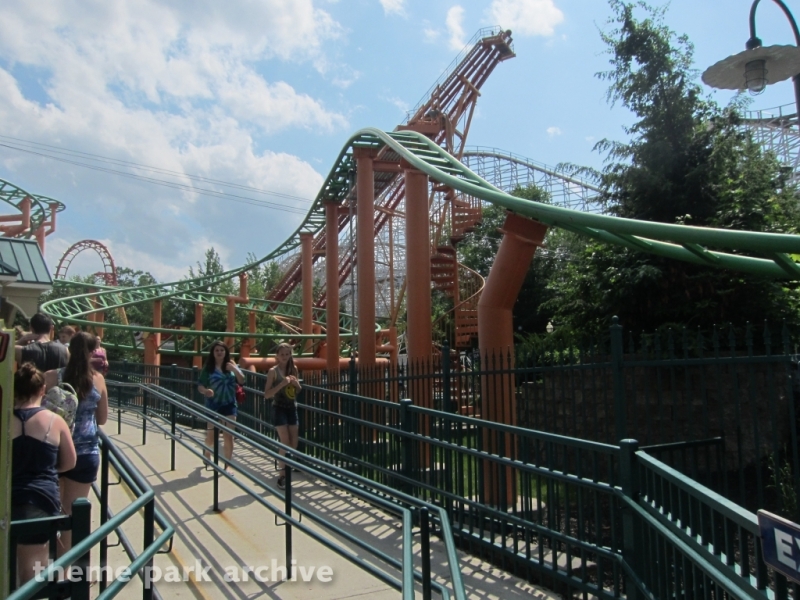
point(758, 66)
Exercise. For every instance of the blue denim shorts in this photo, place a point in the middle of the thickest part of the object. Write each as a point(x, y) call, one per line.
point(226, 410)
point(85, 470)
point(284, 416)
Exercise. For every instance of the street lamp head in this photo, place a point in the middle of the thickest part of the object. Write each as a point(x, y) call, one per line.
point(749, 69)
point(549, 328)
point(755, 75)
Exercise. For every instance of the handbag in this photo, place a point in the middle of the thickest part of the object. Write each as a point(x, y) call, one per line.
point(240, 394)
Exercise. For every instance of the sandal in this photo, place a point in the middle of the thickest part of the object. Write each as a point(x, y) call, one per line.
point(282, 482)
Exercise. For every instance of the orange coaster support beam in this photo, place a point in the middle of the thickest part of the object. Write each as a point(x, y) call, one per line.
point(418, 295)
point(153, 341)
point(521, 237)
point(332, 285)
point(365, 255)
point(231, 301)
point(247, 344)
point(418, 266)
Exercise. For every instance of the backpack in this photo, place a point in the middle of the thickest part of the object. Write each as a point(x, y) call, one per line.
point(63, 401)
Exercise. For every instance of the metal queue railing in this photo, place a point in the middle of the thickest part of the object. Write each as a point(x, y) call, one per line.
point(77, 586)
point(595, 519)
point(172, 414)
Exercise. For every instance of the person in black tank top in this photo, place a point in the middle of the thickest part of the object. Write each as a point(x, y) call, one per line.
point(283, 386)
point(41, 447)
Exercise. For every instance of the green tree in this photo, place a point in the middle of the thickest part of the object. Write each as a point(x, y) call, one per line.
point(688, 161)
point(215, 317)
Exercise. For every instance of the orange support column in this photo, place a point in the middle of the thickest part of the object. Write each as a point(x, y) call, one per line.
point(418, 297)
point(365, 256)
point(100, 318)
point(306, 254)
point(153, 341)
point(248, 343)
point(521, 237)
point(418, 266)
point(53, 212)
point(332, 286)
point(230, 323)
point(197, 359)
point(40, 233)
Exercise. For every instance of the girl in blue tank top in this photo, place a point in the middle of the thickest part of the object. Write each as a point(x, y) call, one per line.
point(92, 412)
point(41, 447)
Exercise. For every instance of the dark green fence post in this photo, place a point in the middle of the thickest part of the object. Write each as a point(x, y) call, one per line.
point(216, 469)
point(350, 409)
point(353, 383)
point(287, 508)
point(173, 376)
point(104, 482)
point(446, 400)
point(620, 408)
point(195, 379)
point(407, 426)
point(631, 528)
point(147, 541)
point(123, 393)
point(81, 529)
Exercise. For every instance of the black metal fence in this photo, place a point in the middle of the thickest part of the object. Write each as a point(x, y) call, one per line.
point(719, 406)
point(583, 517)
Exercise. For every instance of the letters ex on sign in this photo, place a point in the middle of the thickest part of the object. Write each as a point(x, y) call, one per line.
point(780, 542)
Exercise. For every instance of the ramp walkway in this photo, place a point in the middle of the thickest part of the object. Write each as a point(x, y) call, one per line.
point(239, 551)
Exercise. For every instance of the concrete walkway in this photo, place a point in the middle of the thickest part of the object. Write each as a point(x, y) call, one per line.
point(244, 534)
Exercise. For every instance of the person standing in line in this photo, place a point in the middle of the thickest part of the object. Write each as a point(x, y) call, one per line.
point(98, 358)
point(65, 335)
point(217, 384)
point(41, 447)
point(37, 347)
point(92, 412)
point(283, 386)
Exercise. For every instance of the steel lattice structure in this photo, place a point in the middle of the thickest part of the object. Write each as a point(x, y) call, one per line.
point(109, 273)
point(776, 130)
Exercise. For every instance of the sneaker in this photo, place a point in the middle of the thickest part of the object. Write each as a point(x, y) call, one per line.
point(282, 482)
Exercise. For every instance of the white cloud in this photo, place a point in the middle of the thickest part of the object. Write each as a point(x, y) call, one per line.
point(526, 17)
point(182, 86)
point(401, 104)
point(430, 35)
point(589, 138)
point(393, 6)
point(454, 23)
point(553, 131)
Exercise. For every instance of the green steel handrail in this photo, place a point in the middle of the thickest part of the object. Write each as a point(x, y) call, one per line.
point(683, 535)
point(725, 580)
point(680, 242)
point(146, 496)
point(331, 474)
point(649, 510)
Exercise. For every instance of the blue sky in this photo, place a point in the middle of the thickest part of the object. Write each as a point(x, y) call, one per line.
point(264, 94)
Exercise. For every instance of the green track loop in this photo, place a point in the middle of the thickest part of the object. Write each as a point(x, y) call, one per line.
point(764, 254)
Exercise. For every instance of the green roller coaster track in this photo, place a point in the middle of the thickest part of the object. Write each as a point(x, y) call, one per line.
point(765, 254)
point(40, 205)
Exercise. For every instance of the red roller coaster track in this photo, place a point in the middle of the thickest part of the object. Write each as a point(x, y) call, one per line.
point(109, 272)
